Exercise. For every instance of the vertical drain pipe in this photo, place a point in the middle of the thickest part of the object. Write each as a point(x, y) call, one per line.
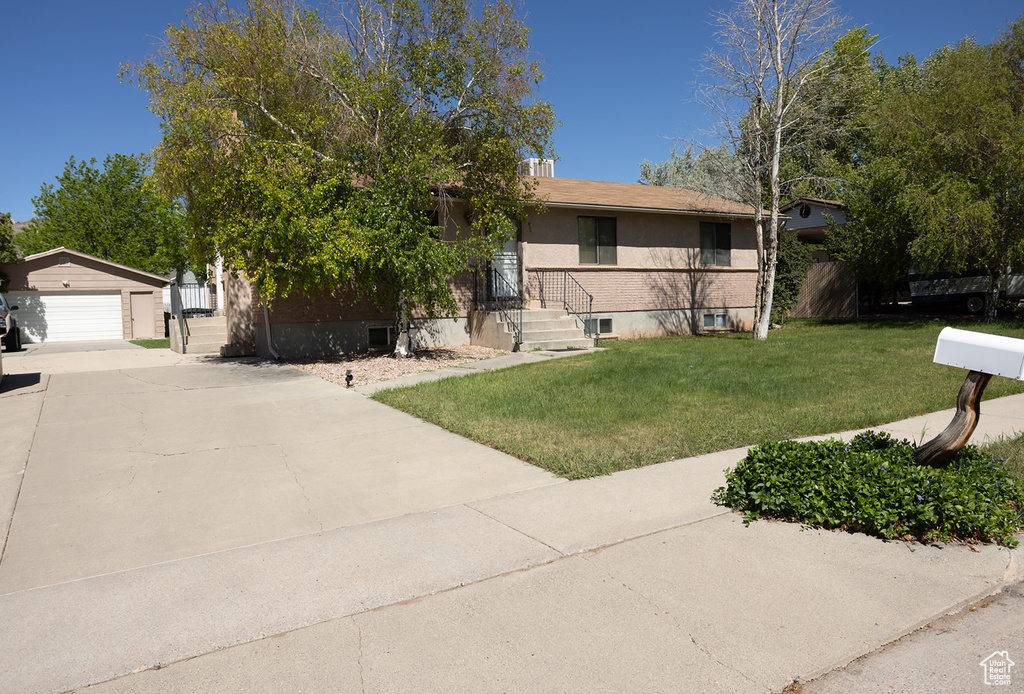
point(270, 333)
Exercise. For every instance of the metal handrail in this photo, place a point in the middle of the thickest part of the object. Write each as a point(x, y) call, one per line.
point(574, 298)
point(508, 302)
point(177, 310)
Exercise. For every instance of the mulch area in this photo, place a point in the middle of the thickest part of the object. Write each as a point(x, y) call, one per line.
point(375, 367)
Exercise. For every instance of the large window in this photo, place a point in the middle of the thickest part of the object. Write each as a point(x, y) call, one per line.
point(715, 243)
point(597, 240)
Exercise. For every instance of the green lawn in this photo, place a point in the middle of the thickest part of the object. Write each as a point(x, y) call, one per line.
point(156, 343)
point(651, 400)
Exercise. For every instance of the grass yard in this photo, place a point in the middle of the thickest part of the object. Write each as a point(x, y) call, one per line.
point(155, 343)
point(651, 400)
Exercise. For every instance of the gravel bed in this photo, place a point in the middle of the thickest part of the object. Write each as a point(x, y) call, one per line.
point(374, 367)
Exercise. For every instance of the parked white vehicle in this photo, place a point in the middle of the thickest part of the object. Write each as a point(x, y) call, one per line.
point(969, 288)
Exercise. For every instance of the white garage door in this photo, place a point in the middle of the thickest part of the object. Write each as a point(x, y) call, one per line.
point(68, 316)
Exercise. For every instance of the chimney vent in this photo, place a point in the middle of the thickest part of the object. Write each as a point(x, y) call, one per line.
point(544, 168)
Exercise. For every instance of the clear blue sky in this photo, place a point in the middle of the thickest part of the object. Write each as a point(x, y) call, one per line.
point(620, 76)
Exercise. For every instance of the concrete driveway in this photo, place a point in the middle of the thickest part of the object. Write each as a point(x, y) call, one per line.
point(114, 457)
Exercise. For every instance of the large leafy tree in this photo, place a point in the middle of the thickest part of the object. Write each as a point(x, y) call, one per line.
point(941, 178)
point(831, 127)
point(713, 171)
point(116, 213)
point(322, 151)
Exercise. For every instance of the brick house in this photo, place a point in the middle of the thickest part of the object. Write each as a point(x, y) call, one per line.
point(652, 260)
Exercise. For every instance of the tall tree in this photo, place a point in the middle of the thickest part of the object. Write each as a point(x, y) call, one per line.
point(826, 139)
point(768, 59)
point(713, 171)
point(943, 174)
point(322, 151)
point(116, 213)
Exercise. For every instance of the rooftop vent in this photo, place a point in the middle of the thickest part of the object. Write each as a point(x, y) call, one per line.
point(544, 168)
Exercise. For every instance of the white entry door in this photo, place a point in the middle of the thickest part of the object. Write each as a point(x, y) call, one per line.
point(506, 264)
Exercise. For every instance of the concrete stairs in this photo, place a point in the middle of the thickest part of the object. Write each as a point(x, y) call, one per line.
point(206, 335)
point(551, 329)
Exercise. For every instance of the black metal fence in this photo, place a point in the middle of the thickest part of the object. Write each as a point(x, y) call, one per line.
point(559, 287)
point(502, 296)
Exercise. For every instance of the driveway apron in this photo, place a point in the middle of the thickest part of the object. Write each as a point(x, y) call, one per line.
point(107, 469)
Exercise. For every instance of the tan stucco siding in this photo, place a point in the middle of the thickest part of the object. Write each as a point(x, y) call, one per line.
point(643, 240)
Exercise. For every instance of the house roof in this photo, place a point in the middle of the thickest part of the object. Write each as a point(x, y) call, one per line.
point(831, 204)
point(67, 251)
point(601, 195)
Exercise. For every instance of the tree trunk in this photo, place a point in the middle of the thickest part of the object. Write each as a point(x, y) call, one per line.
point(404, 347)
point(939, 451)
point(992, 297)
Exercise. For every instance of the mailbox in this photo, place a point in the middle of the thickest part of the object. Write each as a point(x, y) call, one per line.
point(984, 356)
point(996, 355)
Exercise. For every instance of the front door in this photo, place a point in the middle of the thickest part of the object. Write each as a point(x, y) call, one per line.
point(505, 271)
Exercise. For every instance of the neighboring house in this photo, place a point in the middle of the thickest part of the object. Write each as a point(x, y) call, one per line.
point(809, 218)
point(830, 290)
point(652, 260)
point(63, 295)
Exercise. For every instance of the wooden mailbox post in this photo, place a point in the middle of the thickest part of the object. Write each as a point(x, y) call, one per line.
point(984, 356)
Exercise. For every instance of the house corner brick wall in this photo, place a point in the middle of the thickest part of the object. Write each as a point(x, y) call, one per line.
point(343, 306)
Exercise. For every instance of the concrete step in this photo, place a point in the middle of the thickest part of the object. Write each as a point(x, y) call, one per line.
point(563, 323)
point(572, 343)
point(543, 313)
point(544, 333)
point(204, 347)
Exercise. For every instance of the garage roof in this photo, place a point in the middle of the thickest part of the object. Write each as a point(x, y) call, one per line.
point(68, 252)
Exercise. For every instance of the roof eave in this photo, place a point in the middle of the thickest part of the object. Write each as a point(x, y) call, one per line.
point(649, 210)
point(62, 249)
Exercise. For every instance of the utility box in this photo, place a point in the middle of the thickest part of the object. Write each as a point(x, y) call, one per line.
point(997, 355)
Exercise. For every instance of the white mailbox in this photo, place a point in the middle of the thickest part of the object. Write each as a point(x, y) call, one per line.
point(990, 354)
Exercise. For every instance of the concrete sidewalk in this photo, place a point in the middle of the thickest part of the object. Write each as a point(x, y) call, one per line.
point(514, 582)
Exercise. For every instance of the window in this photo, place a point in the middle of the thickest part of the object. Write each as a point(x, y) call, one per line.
point(599, 326)
point(382, 336)
point(715, 320)
point(597, 240)
point(715, 243)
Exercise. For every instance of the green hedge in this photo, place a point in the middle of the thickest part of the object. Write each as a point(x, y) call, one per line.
point(873, 485)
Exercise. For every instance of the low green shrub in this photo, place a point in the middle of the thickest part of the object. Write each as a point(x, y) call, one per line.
point(873, 485)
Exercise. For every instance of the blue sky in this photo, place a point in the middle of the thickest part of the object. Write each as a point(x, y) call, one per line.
point(619, 74)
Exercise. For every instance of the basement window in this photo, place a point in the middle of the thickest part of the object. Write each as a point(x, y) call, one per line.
point(599, 326)
point(381, 336)
point(715, 320)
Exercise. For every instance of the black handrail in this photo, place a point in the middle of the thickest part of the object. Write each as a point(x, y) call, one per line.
point(573, 297)
point(508, 302)
point(502, 296)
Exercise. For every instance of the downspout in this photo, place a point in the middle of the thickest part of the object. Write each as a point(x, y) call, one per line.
point(270, 334)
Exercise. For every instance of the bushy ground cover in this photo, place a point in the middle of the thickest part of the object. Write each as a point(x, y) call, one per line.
point(873, 485)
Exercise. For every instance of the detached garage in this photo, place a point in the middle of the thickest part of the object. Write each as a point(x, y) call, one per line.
point(63, 296)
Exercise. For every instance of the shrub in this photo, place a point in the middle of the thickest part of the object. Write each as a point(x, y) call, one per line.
point(873, 485)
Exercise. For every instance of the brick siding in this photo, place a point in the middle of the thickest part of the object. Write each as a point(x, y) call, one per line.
point(644, 289)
